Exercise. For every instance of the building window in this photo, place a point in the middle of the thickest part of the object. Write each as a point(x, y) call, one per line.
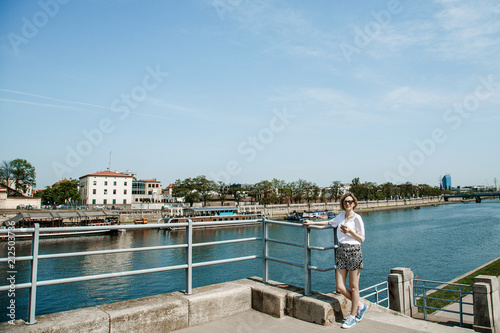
point(93, 201)
point(114, 201)
point(125, 183)
point(114, 191)
point(124, 201)
point(114, 183)
point(124, 191)
point(105, 183)
point(95, 183)
point(105, 191)
point(104, 201)
point(94, 191)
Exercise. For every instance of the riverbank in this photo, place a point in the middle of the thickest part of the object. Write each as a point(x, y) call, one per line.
point(491, 268)
point(276, 212)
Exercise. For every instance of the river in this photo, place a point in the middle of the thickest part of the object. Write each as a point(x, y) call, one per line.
point(437, 243)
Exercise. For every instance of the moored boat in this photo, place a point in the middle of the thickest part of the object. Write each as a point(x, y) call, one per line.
point(222, 215)
point(59, 220)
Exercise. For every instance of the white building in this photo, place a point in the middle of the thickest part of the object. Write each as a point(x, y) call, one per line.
point(106, 188)
point(147, 190)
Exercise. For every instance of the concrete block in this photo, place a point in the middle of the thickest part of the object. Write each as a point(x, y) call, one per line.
point(401, 291)
point(213, 302)
point(322, 309)
point(81, 320)
point(270, 297)
point(486, 304)
point(160, 313)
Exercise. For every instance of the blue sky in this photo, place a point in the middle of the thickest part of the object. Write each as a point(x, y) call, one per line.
point(243, 91)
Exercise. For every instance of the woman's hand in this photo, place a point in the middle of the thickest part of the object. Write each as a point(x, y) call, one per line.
point(306, 222)
point(345, 229)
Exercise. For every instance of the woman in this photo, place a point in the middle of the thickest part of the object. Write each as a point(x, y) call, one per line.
point(348, 256)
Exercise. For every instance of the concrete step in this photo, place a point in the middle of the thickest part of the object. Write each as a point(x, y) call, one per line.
point(374, 322)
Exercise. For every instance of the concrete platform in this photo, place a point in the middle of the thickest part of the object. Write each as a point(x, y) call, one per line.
point(374, 322)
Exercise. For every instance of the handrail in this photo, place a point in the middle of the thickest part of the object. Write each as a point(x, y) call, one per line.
point(377, 292)
point(188, 266)
point(188, 245)
point(306, 245)
point(425, 292)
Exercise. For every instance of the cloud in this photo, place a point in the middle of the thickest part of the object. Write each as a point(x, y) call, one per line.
point(66, 104)
point(408, 98)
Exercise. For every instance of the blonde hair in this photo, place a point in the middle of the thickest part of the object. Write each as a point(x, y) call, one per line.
point(353, 198)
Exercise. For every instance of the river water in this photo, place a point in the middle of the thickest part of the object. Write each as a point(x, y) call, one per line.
point(437, 243)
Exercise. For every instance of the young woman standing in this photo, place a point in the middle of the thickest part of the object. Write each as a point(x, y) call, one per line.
point(348, 256)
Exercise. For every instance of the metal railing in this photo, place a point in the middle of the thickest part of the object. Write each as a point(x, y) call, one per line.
point(379, 290)
point(422, 291)
point(306, 245)
point(187, 265)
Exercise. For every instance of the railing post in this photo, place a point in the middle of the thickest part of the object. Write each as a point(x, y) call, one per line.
point(34, 274)
point(400, 284)
point(265, 251)
point(189, 257)
point(461, 308)
point(307, 261)
point(486, 297)
point(425, 301)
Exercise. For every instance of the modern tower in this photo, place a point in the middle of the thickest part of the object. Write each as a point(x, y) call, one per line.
point(446, 182)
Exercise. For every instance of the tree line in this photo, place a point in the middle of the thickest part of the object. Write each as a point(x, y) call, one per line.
point(201, 189)
point(19, 175)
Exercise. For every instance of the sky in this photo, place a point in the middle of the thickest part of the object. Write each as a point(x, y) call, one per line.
point(243, 91)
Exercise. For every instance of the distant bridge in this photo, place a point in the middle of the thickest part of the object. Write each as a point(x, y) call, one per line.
point(477, 196)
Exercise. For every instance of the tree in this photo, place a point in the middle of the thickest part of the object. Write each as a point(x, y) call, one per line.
point(356, 188)
point(336, 190)
point(195, 189)
point(279, 190)
point(262, 192)
point(186, 189)
point(301, 189)
point(289, 191)
point(6, 173)
point(237, 193)
point(61, 193)
point(222, 192)
point(21, 172)
point(205, 187)
point(311, 192)
point(387, 190)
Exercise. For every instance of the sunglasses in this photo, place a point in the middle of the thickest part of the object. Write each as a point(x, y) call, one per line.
point(345, 202)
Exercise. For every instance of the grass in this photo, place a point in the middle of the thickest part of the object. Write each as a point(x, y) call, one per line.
point(491, 269)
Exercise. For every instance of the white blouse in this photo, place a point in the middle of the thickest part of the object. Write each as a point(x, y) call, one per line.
point(355, 223)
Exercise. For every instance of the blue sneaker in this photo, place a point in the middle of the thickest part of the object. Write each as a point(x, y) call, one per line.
point(361, 312)
point(349, 322)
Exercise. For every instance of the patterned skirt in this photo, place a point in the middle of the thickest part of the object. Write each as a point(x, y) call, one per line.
point(349, 256)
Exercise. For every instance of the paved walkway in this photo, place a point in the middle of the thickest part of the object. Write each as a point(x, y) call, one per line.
point(467, 319)
point(374, 322)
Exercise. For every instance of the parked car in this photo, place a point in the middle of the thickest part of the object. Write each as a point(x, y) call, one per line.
point(99, 207)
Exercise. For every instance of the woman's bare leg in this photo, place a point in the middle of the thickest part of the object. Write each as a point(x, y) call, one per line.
point(354, 286)
point(341, 283)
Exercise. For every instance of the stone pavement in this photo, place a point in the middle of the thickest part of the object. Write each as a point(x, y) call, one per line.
point(450, 316)
point(374, 322)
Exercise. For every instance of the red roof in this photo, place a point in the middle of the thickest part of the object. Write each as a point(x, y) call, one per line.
point(61, 181)
point(150, 180)
point(106, 174)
